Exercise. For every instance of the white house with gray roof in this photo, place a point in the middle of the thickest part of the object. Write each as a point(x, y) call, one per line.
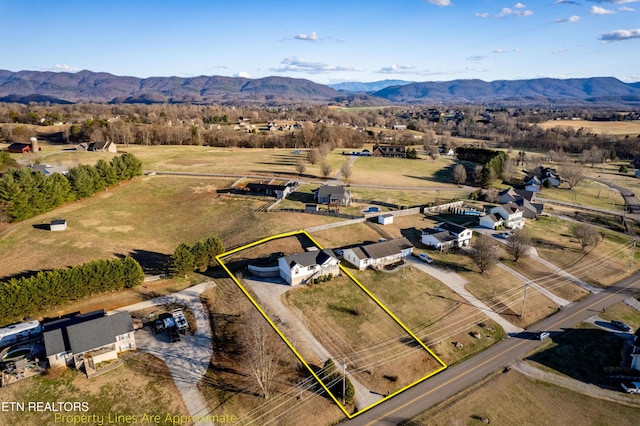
point(93, 337)
point(378, 255)
point(301, 268)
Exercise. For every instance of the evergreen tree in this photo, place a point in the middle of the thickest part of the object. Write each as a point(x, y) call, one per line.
point(182, 261)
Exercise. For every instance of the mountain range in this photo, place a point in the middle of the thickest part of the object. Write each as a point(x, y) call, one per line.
point(88, 86)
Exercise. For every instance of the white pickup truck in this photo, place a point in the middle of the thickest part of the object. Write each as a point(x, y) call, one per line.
point(634, 387)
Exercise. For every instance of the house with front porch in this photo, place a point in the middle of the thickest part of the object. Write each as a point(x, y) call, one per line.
point(89, 338)
point(446, 235)
point(377, 255)
point(301, 268)
point(336, 195)
point(511, 214)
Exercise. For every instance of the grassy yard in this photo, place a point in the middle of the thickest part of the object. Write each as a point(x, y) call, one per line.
point(146, 218)
point(380, 354)
point(403, 172)
point(141, 386)
point(513, 399)
point(547, 278)
point(499, 290)
point(433, 312)
point(603, 266)
point(588, 193)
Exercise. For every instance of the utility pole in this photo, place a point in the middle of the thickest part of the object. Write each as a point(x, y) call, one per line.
point(633, 251)
point(344, 379)
point(524, 299)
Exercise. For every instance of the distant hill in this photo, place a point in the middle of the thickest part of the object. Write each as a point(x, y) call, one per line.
point(88, 86)
point(373, 86)
point(593, 90)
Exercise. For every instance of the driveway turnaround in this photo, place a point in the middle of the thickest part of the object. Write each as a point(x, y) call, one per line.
point(456, 283)
point(187, 359)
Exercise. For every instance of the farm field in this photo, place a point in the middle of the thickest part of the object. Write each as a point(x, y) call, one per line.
point(617, 128)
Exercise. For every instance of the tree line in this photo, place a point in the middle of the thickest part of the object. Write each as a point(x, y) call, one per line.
point(21, 297)
point(198, 257)
point(25, 192)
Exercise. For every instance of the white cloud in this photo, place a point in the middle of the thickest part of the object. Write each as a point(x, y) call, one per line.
point(313, 37)
point(440, 2)
point(62, 68)
point(626, 9)
point(518, 9)
point(570, 19)
point(476, 58)
point(597, 10)
point(398, 69)
point(295, 64)
point(575, 3)
point(501, 51)
point(620, 35)
point(242, 74)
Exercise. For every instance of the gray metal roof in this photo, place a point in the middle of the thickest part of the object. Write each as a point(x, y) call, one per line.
point(89, 335)
point(386, 248)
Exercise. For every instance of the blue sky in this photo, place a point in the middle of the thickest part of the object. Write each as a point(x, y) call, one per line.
point(327, 41)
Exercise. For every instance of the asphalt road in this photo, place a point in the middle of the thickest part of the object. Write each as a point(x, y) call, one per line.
point(630, 200)
point(455, 379)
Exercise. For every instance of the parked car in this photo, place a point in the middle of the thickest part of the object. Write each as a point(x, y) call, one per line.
point(633, 387)
point(620, 325)
point(541, 335)
point(425, 258)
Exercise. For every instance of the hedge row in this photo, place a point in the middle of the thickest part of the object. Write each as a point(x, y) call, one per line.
point(22, 297)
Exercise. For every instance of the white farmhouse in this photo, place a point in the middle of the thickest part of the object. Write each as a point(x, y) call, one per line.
point(301, 268)
point(377, 255)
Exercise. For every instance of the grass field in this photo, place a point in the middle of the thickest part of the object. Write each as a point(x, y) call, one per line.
point(433, 312)
point(589, 193)
point(146, 218)
point(617, 128)
point(602, 266)
point(141, 386)
point(513, 399)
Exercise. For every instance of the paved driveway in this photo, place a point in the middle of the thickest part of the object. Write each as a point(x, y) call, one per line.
point(187, 359)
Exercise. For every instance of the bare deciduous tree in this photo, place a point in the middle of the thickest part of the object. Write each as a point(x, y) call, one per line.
point(301, 167)
point(573, 174)
point(484, 253)
point(314, 156)
point(587, 236)
point(477, 174)
point(519, 243)
point(346, 172)
point(325, 169)
point(459, 174)
point(261, 352)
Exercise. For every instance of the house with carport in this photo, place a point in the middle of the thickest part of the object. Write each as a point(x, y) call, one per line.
point(378, 255)
point(301, 268)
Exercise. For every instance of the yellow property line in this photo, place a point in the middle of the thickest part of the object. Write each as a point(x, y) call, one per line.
point(284, 339)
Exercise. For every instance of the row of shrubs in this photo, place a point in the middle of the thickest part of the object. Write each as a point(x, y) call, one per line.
point(21, 297)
